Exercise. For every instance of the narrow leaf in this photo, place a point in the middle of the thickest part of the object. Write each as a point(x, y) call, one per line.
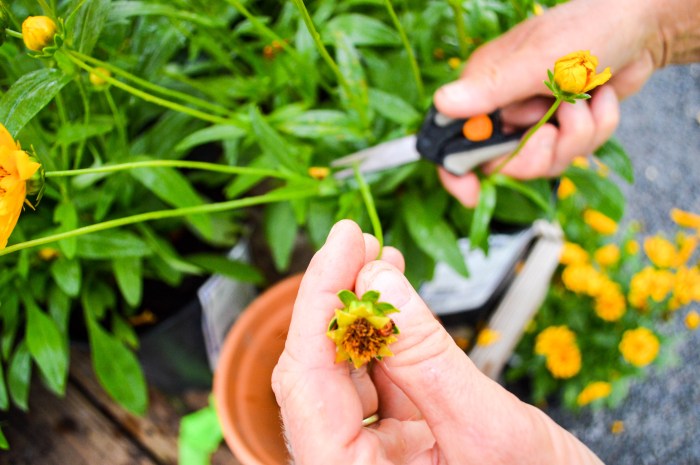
point(613, 155)
point(602, 194)
point(111, 244)
point(89, 22)
point(280, 232)
point(47, 347)
point(67, 274)
point(233, 269)
point(482, 215)
point(19, 375)
point(128, 273)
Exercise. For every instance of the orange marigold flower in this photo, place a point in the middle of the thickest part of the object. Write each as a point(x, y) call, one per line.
point(566, 188)
point(572, 254)
point(617, 427)
point(319, 172)
point(686, 287)
point(576, 72)
point(692, 320)
point(608, 255)
point(639, 346)
point(611, 304)
point(16, 168)
point(565, 362)
point(38, 32)
point(593, 391)
point(552, 338)
point(660, 251)
point(685, 219)
point(686, 248)
point(487, 336)
point(599, 222)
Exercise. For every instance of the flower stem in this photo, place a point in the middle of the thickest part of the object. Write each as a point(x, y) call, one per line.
point(371, 209)
point(150, 86)
point(145, 95)
point(200, 165)
point(15, 34)
point(409, 50)
point(529, 134)
point(162, 214)
point(462, 37)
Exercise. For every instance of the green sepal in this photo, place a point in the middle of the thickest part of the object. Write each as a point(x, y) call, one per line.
point(347, 297)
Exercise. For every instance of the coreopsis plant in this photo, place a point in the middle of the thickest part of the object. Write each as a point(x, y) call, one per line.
point(601, 325)
point(169, 132)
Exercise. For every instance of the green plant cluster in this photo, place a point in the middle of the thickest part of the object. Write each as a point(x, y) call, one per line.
point(199, 126)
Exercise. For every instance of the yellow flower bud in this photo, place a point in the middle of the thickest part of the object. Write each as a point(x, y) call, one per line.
point(692, 320)
point(454, 62)
point(38, 32)
point(575, 73)
point(96, 78)
point(319, 172)
point(487, 336)
point(566, 188)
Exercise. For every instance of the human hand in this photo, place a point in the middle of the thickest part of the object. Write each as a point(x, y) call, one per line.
point(435, 407)
point(508, 73)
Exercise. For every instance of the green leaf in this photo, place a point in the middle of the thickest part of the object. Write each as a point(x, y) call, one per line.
point(602, 194)
point(19, 375)
point(237, 270)
point(348, 59)
point(3, 441)
point(174, 189)
point(393, 107)
point(613, 155)
point(4, 397)
point(9, 312)
point(272, 143)
point(361, 30)
point(66, 216)
point(96, 298)
point(47, 347)
point(67, 274)
point(347, 297)
point(201, 430)
point(89, 22)
point(123, 10)
point(111, 244)
point(28, 95)
point(432, 235)
point(117, 369)
point(316, 124)
point(370, 296)
point(129, 274)
point(70, 133)
point(280, 233)
point(483, 213)
point(215, 133)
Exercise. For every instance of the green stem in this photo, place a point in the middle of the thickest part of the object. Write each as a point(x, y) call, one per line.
point(462, 37)
point(529, 134)
point(409, 50)
point(118, 120)
point(146, 96)
point(12, 33)
point(371, 209)
point(163, 214)
point(150, 86)
point(86, 119)
point(199, 165)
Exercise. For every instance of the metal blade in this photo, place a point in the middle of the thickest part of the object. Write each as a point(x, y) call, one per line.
point(380, 157)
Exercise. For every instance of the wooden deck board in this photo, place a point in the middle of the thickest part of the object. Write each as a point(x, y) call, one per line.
point(86, 427)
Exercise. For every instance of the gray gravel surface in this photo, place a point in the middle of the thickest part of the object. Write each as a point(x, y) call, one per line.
point(660, 129)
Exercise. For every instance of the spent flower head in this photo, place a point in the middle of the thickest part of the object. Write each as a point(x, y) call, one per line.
point(361, 330)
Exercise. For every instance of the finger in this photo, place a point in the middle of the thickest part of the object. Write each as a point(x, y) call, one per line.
point(605, 108)
point(435, 374)
point(366, 391)
point(464, 188)
point(393, 402)
point(395, 257)
point(534, 160)
point(576, 135)
point(406, 442)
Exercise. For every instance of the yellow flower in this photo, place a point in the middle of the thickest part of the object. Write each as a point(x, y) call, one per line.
point(566, 188)
point(319, 172)
point(583, 279)
point(660, 251)
point(576, 72)
point(686, 287)
point(553, 338)
point(454, 62)
point(639, 346)
point(692, 320)
point(599, 222)
point(38, 32)
point(48, 253)
point(650, 283)
point(608, 255)
point(632, 247)
point(617, 427)
point(610, 305)
point(361, 330)
point(16, 168)
point(581, 162)
point(685, 219)
point(565, 362)
point(686, 248)
point(537, 9)
point(487, 336)
point(96, 78)
point(593, 391)
point(572, 254)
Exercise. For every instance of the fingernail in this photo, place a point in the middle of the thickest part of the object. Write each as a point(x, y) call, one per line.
point(389, 282)
point(455, 92)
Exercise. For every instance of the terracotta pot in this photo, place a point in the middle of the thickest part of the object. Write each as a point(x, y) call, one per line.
point(245, 403)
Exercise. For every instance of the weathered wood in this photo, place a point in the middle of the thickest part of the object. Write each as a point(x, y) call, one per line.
point(69, 430)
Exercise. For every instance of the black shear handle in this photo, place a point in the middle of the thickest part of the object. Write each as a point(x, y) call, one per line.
point(444, 141)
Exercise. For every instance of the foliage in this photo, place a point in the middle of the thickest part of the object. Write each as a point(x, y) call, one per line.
point(167, 129)
point(599, 327)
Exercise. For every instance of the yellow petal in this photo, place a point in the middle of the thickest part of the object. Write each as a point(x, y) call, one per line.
point(598, 79)
point(6, 139)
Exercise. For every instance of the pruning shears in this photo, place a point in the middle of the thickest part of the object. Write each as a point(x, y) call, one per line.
point(458, 145)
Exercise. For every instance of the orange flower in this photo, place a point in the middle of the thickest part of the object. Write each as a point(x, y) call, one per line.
point(608, 255)
point(487, 337)
point(594, 391)
point(599, 222)
point(660, 251)
point(38, 32)
point(575, 73)
point(565, 362)
point(692, 320)
point(552, 338)
point(16, 168)
point(566, 188)
point(572, 254)
point(639, 346)
point(685, 219)
point(610, 304)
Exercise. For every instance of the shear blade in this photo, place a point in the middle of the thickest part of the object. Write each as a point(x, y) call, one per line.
point(379, 157)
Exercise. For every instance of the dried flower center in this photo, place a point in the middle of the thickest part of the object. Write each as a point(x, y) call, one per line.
point(362, 339)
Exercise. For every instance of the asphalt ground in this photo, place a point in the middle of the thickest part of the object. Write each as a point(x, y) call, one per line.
point(660, 130)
